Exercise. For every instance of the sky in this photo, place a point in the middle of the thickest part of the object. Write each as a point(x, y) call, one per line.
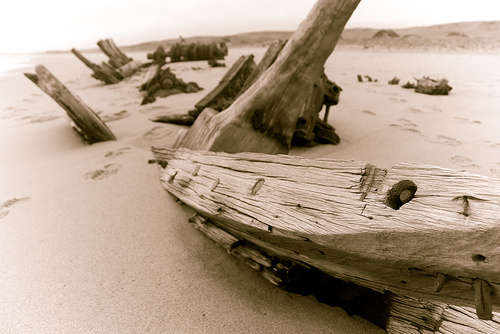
point(41, 25)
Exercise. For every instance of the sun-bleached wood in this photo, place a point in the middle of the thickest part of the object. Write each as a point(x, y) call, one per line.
point(87, 123)
point(263, 119)
point(332, 215)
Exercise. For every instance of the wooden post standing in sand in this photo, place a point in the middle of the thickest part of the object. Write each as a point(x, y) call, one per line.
point(116, 57)
point(88, 124)
point(264, 118)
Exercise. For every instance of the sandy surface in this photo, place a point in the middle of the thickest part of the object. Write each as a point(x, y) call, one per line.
point(91, 243)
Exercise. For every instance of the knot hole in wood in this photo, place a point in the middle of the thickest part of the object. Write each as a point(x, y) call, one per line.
point(400, 194)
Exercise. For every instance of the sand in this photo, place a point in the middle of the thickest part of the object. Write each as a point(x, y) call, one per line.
point(91, 243)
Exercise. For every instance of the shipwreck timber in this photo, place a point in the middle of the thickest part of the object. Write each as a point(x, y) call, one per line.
point(335, 216)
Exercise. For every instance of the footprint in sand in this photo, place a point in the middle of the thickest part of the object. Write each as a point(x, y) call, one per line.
point(415, 110)
point(103, 173)
point(464, 162)
point(152, 108)
point(446, 140)
point(495, 169)
point(116, 116)
point(157, 132)
point(127, 104)
point(405, 125)
point(466, 120)
point(116, 153)
point(4, 207)
point(369, 112)
point(397, 100)
point(434, 108)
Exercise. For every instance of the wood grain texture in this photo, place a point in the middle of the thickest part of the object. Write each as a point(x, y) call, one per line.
point(332, 215)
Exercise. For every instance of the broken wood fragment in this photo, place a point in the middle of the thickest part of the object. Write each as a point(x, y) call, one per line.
point(162, 83)
point(429, 86)
point(394, 81)
point(87, 123)
point(179, 119)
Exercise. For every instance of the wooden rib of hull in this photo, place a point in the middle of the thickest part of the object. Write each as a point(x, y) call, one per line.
point(333, 215)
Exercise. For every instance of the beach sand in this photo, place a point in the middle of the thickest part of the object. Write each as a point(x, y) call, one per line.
point(91, 243)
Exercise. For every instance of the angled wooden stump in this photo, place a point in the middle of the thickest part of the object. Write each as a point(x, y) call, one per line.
point(229, 86)
point(116, 57)
point(103, 73)
point(87, 123)
point(118, 67)
point(264, 118)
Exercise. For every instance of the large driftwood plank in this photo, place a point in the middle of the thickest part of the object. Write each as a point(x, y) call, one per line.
point(333, 215)
point(88, 124)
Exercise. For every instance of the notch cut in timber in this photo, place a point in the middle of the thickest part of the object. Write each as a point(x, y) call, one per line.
point(82, 118)
point(333, 215)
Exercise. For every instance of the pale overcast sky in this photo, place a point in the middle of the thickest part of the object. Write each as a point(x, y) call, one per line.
point(39, 25)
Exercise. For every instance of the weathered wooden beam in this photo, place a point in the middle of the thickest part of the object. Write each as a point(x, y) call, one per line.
point(353, 220)
point(264, 118)
point(88, 124)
